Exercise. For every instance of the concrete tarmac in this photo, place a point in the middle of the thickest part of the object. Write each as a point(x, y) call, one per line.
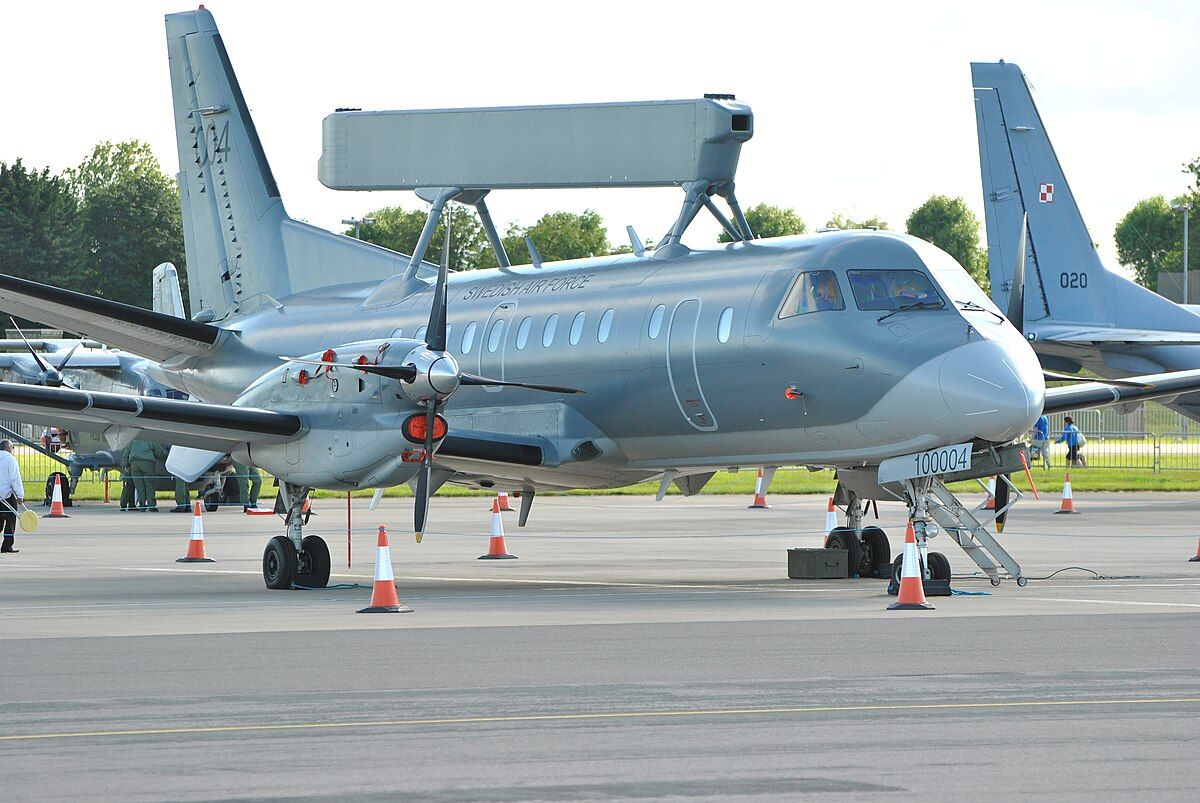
point(636, 650)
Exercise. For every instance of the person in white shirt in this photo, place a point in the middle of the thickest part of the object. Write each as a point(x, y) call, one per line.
point(12, 491)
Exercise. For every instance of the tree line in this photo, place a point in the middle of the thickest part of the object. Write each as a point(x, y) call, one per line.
point(100, 227)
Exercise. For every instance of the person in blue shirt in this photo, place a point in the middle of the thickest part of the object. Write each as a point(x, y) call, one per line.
point(1070, 436)
point(1041, 440)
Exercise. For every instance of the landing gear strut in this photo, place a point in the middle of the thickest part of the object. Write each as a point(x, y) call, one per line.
point(295, 559)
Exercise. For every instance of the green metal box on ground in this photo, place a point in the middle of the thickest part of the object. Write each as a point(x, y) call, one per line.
point(818, 564)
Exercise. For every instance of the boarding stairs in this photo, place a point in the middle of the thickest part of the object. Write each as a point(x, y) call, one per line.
point(969, 533)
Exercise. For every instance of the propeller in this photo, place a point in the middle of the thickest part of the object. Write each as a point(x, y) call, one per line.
point(51, 376)
point(1016, 296)
point(1001, 501)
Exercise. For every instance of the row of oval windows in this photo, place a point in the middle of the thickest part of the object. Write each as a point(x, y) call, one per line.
point(496, 336)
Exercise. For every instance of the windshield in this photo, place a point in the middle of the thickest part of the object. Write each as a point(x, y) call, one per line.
point(893, 289)
point(813, 291)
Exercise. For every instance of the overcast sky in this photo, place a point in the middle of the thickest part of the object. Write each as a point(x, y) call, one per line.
point(863, 108)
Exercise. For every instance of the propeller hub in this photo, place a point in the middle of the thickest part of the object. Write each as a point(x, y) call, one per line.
point(438, 375)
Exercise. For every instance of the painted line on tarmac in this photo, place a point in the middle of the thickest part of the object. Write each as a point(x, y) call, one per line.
point(1111, 602)
point(596, 715)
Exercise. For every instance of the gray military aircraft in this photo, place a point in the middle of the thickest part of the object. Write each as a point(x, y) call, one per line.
point(870, 352)
point(1078, 313)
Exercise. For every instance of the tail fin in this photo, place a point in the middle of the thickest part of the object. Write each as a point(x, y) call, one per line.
point(168, 299)
point(242, 249)
point(1065, 281)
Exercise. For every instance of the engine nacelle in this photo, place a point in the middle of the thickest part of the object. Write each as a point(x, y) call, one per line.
point(353, 420)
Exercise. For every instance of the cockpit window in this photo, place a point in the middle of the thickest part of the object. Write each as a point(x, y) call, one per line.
point(813, 291)
point(891, 289)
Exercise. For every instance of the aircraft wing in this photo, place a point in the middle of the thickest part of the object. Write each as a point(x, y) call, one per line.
point(1097, 394)
point(1102, 334)
point(80, 359)
point(121, 418)
point(145, 333)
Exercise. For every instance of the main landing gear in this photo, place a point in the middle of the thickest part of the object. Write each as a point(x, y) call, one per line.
point(294, 559)
point(868, 551)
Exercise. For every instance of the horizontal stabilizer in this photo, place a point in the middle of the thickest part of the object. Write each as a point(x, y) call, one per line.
point(141, 331)
point(1083, 336)
point(122, 418)
point(1098, 394)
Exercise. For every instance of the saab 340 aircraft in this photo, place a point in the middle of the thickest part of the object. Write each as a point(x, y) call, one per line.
point(873, 353)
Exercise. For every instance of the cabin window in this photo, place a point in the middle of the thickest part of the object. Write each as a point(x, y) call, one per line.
point(892, 289)
point(523, 332)
point(656, 319)
point(605, 326)
point(496, 336)
point(577, 328)
point(548, 330)
point(725, 325)
point(468, 338)
point(813, 291)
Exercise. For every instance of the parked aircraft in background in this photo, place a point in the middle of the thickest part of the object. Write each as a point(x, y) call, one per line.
point(870, 352)
point(1078, 313)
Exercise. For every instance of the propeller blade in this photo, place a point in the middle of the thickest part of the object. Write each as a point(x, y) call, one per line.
point(1054, 376)
point(1016, 296)
point(67, 358)
point(421, 508)
point(1001, 501)
point(406, 372)
point(37, 357)
point(472, 379)
point(435, 333)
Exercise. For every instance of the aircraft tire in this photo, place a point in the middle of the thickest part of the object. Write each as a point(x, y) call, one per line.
point(845, 538)
point(315, 563)
point(939, 566)
point(280, 563)
point(876, 552)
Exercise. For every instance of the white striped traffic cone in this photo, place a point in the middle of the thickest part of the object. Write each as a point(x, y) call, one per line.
point(497, 549)
point(1068, 498)
point(195, 553)
point(912, 591)
point(383, 595)
point(760, 496)
point(502, 498)
point(831, 519)
point(991, 491)
point(56, 501)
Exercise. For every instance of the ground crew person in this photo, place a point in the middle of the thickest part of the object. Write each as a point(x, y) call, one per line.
point(182, 498)
point(128, 499)
point(12, 491)
point(1072, 437)
point(249, 483)
point(1041, 440)
point(142, 458)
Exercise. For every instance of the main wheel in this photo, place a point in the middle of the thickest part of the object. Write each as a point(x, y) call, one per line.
point(314, 563)
point(939, 566)
point(876, 552)
point(280, 563)
point(847, 539)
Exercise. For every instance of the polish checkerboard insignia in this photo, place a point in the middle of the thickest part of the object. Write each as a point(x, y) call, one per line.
point(1046, 194)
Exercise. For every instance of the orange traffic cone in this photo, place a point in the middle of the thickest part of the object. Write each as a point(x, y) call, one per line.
point(502, 498)
point(991, 491)
point(56, 503)
point(497, 549)
point(383, 595)
point(912, 592)
point(1068, 499)
point(760, 497)
point(1196, 558)
point(195, 553)
point(831, 519)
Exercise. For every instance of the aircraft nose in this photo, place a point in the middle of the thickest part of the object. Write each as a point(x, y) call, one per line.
point(995, 391)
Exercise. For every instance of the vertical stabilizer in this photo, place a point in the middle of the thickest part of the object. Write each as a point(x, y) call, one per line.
point(1065, 281)
point(243, 251)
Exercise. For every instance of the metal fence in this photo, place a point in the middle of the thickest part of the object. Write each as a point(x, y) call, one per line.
point(1171, 451)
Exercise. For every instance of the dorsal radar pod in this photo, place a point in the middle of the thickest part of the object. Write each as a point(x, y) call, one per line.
point(691, 144)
